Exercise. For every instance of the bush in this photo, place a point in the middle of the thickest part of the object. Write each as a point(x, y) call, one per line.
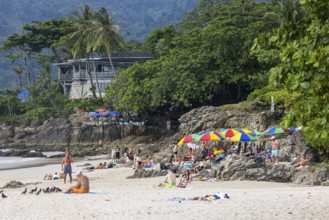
point(282, 97)
point(86, 104)
point(38, 115)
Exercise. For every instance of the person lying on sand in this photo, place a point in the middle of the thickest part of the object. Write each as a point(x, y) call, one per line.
point(50, 176)
point(98, 166)
point(170, 179)
point(82, 185)
point(303, 162)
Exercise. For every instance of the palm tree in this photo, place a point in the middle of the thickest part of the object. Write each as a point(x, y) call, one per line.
point(19, 70)
point(83, 37)
point(286, 11)
point(107, 34)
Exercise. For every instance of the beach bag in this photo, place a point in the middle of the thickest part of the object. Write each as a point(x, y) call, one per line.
point(187, 165)
point(61, 175)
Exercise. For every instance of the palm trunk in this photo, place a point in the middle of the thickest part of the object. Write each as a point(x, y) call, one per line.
point(27, 73)
point(96, 77)
point(92, 88)
point(33, 69)
point(110, 59)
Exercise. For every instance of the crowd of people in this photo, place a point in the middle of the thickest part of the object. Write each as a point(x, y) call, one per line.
point(187, 165)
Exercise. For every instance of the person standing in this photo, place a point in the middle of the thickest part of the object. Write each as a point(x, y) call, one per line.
point(117, 154)
point(275, 150)
point(175, 151)
point(66, 166)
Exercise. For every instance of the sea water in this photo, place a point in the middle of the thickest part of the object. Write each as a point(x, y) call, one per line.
point(20, 162)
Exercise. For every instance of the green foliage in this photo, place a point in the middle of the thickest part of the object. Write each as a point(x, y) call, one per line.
point(206, 61)
point(303, 49)
point(242, 106)
point(38, 115)
point(282, 97)
point(86, 104)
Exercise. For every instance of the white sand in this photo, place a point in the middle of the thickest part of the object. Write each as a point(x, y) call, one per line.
point(121, 198)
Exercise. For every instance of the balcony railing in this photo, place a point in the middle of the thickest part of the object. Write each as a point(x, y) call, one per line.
point(83, 75)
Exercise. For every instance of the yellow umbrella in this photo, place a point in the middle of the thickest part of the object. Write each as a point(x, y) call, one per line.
point(246, 131)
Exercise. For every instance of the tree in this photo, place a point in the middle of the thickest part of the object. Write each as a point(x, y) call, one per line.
point(204, 64)
point(82, 38)
point(107, 37)
point(303, 49)
point(286, 11)
point(19, 70)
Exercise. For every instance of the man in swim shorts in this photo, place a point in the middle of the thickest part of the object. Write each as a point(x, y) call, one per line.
point(66, 166)
point(275, 150)
point(170, 179)
point(82, 185)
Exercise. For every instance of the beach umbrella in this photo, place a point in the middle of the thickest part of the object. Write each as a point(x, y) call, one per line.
point(211, 137)
point(189, 138)
point(115, 113)
point(292, 130)
point(256, 133)
point(246, 131)
point(243, 137)
point(230, 132)
point(96, 114)
point(277, 130)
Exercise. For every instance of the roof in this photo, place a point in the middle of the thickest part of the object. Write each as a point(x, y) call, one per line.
point(117, 57)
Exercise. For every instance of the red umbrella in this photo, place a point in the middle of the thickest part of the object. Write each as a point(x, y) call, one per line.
point(230, 132)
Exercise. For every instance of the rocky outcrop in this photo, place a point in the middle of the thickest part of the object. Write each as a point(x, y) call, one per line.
point(234, 167)
point(80, 138)
point(211, 118)
point(147, 173)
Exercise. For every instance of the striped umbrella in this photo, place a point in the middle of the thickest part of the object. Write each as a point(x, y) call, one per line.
point(243, 137)
point(230, 132)
point(189, 138)
point(211, 137)
point(246, 131)
point(277, 130)
point(256, 133)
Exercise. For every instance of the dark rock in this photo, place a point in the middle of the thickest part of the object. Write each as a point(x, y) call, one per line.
point(325, 183)
point(213, 173)
point(13, 184)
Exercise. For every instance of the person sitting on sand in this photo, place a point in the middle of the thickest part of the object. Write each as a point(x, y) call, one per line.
point(55, 177)
point(82, 185)
point(147, 163)
point(48, 176)
point(190, 155)
point(303, 162)
point(185, 180)
point(170, 179)
point(197, 168)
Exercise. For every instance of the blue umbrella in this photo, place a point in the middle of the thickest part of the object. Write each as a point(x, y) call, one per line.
point(113, 113)
point(96, 114)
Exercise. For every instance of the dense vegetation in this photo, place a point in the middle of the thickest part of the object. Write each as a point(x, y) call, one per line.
point(224, 51)
point(136, 17)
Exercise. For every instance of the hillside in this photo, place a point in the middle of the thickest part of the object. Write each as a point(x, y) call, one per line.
point(138, 18)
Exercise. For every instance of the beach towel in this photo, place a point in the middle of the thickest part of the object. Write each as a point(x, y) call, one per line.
point(98, 193)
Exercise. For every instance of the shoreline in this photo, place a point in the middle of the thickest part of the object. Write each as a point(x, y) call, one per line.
point(28, 162)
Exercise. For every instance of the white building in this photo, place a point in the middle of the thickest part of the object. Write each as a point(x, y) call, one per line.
point(76, 82)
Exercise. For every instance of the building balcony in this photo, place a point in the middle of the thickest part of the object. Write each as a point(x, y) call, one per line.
point(85, 76)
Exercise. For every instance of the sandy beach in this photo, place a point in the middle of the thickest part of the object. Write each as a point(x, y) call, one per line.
point(115, 197)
